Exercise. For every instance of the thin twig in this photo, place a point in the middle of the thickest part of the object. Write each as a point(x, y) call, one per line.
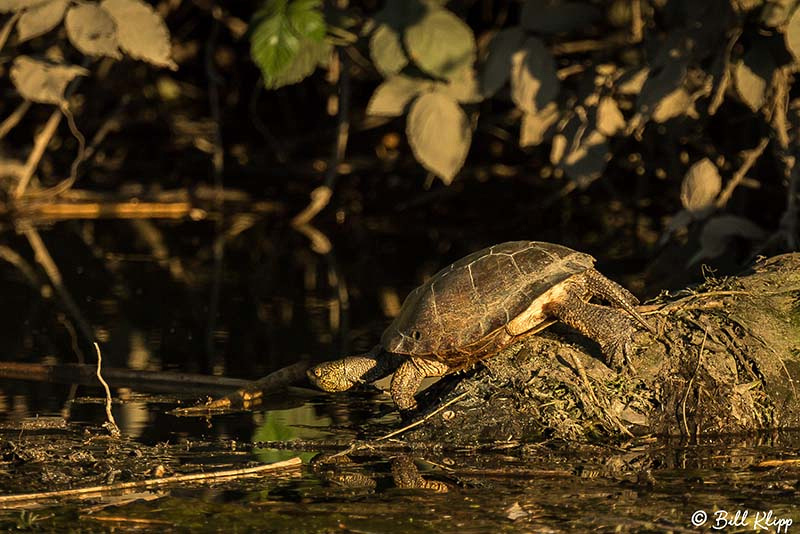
point(44, 259)
point(691, 381)
point(154, 482)
point(357, 446)
point(39, 146)
point(9, 25)
point(322, 195)
point(110, 424)
point(750, 157)
point(13, 119)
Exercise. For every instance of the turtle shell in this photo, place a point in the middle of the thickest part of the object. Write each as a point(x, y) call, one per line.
point(458, 315)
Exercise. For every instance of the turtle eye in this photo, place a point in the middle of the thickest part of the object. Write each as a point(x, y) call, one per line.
point(416, 335)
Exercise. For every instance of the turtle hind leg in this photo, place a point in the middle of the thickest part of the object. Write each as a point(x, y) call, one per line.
point(615, 294)
point(407, 379)
point(612, 329)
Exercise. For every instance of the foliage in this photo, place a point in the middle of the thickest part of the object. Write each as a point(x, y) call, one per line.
point(584, 76)
point(108, 28)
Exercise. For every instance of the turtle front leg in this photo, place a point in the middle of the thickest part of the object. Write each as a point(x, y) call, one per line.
point(610, 328)
point(615, 294)
point(408, 377)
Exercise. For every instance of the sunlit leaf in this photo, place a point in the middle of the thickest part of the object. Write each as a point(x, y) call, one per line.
point(534, 126)
point(497, 68)
point(609, 117)
point(673, 105)
point(544, 16)
point(585, 162)
point(792, 35)
point(386, 50)
point(92, 31)
point(393, 95)
point(660, 85)
point(463, 86)
point(141, 32)
point(440, 43)
point(534, 83)
point(700, 186)
point(753, 75)
point(439, 134)
point(287, 40)
point(42, 82)
point(8, 6)
point(718, 232)
point(40, 19)
point(631, 82)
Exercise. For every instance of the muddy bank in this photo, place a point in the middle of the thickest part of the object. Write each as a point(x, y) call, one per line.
point(726, 360)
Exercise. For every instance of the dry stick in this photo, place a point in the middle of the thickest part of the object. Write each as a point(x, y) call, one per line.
point(13, 119)
point(322, 195)
point(36, 154)
point(409, 426)
point(111, 424)
point(149, 380)
point(6, 31)
point(44, 259)
point(153, 482)
point(750, 157)
point(252, 393)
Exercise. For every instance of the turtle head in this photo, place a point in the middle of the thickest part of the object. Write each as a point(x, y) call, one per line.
point(331, 376)
point(414, 330)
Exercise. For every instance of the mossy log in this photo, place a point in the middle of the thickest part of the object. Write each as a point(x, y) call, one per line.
point(726, 360)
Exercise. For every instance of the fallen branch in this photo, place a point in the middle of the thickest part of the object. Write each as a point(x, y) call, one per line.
point(153, 482)
point(250, 395)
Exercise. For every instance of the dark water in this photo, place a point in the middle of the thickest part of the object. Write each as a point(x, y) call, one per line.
point(264, 301)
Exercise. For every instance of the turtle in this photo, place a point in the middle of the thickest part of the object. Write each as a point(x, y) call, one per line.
point(481, 304)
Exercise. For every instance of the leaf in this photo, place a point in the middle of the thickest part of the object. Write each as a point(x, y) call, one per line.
point(700, 187)
point(586, 162)
point(675, 104)
point(386, 50)
point(753, 75)
point(557, 148)
point(43, 82)
point(631, 82)
point(463, 86)
point(40, 19)
point(497, 68)
point(609, 117)
point(661, 84)
point(92, 31)
point(547, 17)
point(439, 134)
point(287, 40)
point(440, 43)
point(535, 125)
point(534, 82)
point(792, 35)
point(141, 32)
point(718, 233)
point(393, 95)
point(9, 6)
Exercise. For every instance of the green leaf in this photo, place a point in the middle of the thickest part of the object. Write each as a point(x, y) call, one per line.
point(386, 50)
point(440, 43)
point(287, 40)
point(439, 134)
